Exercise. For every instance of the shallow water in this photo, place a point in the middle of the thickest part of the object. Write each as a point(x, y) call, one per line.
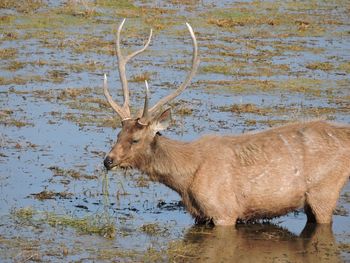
point(54, 136)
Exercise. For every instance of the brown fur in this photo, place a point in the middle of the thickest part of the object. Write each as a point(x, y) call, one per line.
point(250, 176)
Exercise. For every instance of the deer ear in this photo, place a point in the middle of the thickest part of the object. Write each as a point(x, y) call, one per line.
point(161, 121)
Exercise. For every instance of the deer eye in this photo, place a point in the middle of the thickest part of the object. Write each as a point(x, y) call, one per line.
point(134, 141)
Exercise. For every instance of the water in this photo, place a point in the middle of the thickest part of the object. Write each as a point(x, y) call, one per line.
point(64, 131)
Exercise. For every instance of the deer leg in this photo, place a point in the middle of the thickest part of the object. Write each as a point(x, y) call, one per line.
point(321, 199)
point(212, 207)
point(320, 207)
point(193, 209)
point(310, 215)
point(229, 221)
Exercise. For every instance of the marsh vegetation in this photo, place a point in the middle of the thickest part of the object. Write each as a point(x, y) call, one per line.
point(263, 63)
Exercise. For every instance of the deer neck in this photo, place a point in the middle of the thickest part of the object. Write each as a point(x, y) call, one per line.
point(172, 163)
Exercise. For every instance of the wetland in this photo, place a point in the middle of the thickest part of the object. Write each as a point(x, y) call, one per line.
point(263, 64)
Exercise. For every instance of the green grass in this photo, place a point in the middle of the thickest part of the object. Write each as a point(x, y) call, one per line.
point(22, 6)
point(153, 229)
point(127, 4)
point(95, 224)
point(49, 20)
point(218, 69)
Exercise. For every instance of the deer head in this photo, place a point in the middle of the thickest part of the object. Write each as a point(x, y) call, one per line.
point(136, 139)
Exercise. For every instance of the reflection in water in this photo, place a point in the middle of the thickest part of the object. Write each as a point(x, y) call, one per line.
point(263, 243)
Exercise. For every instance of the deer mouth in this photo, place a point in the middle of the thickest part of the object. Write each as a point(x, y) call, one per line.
point(114, 167)
point(109, 163)
point(123, 166)
point(111, 167)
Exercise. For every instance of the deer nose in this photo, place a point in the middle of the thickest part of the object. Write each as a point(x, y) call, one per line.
point(108, 161)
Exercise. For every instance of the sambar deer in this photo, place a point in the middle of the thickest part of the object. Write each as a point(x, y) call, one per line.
point(225, 178)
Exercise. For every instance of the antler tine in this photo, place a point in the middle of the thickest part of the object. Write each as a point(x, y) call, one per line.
point(142, 49)
point(113, 104)
point(177, 92)
point(145, 107)
point(122, 73)
point(124, 111)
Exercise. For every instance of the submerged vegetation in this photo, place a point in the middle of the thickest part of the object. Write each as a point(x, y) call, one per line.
point(97, 224)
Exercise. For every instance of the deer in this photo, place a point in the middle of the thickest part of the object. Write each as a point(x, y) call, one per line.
point(225, 179)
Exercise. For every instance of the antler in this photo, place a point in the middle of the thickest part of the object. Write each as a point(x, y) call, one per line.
point(179, 90)
point(124, 111)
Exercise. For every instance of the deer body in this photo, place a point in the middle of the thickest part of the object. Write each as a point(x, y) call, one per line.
point(258, 175)
point(225, 178)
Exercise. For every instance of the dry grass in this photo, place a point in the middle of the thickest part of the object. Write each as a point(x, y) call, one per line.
point(57, 171)
point(44, 195)
point(325, 66)
point(141, 77)
point(22, 6)
point(8, 53)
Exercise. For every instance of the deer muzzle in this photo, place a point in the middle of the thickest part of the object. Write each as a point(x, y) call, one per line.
point(108, 163)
